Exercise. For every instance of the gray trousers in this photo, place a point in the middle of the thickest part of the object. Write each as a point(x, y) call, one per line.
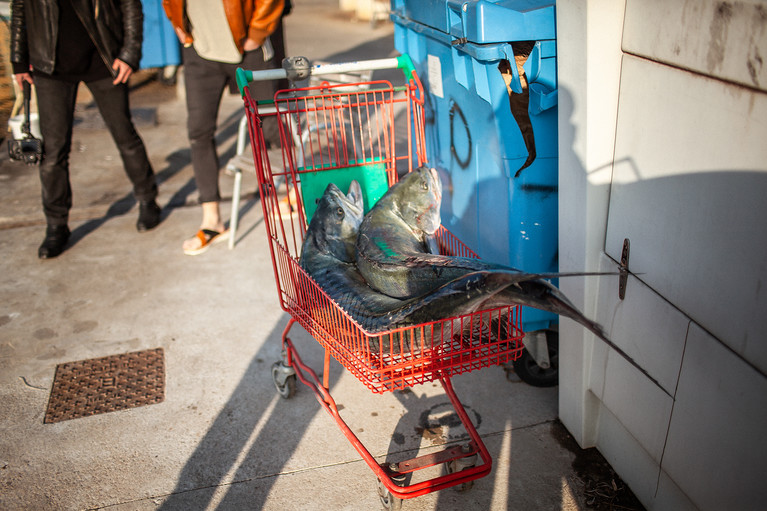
point(205, 82)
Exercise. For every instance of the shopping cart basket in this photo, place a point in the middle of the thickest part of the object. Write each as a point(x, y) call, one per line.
point(370, 132)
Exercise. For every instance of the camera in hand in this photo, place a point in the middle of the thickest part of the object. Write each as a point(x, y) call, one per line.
point(29, 150)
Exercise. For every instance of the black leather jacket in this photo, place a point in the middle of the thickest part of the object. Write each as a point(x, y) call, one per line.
point(115, 26)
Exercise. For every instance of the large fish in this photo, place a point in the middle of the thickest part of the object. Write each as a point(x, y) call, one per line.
point(328, 256)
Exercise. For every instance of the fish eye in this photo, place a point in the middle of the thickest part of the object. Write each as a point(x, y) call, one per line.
point(340, 212)
point(424, 185)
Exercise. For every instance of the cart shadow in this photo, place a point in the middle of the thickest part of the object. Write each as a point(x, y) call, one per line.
point(253, 441)
point(254, 436)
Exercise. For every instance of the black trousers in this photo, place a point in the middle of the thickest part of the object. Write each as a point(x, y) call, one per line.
point(56, 105)
point(205, 82)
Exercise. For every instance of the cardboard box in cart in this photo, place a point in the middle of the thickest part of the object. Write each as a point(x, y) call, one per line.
point(494, 144)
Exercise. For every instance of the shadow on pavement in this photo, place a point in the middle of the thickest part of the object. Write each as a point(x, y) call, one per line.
point(229, 454)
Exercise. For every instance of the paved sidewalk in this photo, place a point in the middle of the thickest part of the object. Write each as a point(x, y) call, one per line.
point(222, 438)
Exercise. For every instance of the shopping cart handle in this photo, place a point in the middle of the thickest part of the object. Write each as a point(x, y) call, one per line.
point(244, 77)
point(403, 62)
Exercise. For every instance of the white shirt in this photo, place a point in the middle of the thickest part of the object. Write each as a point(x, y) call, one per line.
point(211, 33)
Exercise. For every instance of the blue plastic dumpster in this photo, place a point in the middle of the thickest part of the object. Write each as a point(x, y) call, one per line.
point(160, 47)
point(494, 144)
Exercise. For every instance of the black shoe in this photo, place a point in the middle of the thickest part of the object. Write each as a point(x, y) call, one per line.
point(56, 237)
point(148, 215)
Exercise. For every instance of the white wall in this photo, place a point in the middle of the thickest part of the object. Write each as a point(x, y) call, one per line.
point(663, 140)
point(366, 9)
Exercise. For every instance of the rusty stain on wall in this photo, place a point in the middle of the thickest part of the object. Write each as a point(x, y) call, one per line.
point(718, 30)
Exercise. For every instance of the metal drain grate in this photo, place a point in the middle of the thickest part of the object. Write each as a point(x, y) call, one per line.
point(107, 384)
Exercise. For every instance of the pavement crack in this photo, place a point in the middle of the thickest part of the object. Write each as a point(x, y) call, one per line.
point(23, 379)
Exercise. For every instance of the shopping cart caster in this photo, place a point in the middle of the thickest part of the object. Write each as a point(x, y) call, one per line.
point(388, 501)
point(530, 372)
point(459, 464)
point(284, 378)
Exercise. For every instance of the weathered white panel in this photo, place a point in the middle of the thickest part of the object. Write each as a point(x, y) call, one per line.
point(646, 413)
point(644, 325)
point(717, 447)
point(689, 182)
point(671, 497)
point(721, 39)
point(635, 466)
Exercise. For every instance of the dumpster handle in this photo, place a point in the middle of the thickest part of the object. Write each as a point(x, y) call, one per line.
point(403, 62)
point(462, 162)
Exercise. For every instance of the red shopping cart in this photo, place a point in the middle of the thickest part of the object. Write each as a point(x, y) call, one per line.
point(371, 132)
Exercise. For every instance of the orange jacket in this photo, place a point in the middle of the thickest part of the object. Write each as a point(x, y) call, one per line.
point(248, 19)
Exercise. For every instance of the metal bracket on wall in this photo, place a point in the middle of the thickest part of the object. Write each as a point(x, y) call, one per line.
point(624, 269)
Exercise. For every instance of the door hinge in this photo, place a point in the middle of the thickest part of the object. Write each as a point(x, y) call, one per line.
point(624, 269)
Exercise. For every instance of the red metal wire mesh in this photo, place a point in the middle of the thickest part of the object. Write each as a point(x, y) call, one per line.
point(344, 128)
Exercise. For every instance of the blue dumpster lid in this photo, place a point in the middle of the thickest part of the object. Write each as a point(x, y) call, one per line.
point(483, 21)
point(486, 21)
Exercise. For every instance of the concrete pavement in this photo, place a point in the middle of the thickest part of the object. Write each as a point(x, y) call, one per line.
point(222, 438)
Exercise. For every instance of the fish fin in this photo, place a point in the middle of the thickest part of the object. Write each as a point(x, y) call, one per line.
point(432, 245)
point(355, 192)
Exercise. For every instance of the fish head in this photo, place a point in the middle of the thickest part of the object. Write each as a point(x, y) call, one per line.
point(336, 221)
point(419, 196)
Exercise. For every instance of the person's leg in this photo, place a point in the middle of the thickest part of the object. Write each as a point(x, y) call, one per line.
point(205, 82)
point(56, 105)
point(114, 106)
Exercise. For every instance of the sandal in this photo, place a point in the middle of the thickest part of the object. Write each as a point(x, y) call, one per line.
point(207, 238)
point(287, 207)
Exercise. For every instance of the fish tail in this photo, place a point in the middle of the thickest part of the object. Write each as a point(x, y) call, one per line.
point(569, 310)
point(542, 295)
point(563, 307)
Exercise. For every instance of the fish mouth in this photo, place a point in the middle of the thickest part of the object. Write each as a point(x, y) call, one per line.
point(432, 213)
point(437, 183)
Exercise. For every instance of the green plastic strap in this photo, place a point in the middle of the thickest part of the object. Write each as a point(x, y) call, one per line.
point(405, 63)
point(243, 78)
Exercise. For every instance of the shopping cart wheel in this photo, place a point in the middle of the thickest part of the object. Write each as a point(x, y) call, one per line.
point(531, 373)
point(388, 501)
point(459, 464)
point(284, 378)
